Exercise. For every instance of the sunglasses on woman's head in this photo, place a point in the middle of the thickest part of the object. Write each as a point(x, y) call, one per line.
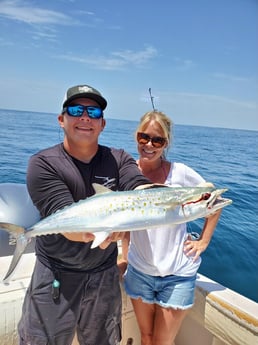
point(156, 142)
point(78, 110)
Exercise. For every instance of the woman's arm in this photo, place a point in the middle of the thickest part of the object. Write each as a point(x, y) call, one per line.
point(195, 248)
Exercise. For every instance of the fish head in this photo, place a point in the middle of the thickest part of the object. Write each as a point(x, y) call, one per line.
point(205, 204)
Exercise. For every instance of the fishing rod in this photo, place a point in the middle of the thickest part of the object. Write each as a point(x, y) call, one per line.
point(152, 98)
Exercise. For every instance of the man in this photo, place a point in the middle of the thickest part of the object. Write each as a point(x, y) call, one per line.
point(73, 287)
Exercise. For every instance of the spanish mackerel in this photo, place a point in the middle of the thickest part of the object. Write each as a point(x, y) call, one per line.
point(108, 211)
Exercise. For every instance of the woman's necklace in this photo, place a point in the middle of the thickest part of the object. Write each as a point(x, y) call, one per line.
point(158, 175)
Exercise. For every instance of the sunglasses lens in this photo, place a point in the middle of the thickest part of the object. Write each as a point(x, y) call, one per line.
point(144, 138)
point(158, 142)
point(77, 111)
point(94, 112)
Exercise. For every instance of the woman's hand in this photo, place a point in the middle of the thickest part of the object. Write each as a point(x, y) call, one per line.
point(195, 248)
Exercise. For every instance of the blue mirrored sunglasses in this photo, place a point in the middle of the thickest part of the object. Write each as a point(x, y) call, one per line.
point(77, 111)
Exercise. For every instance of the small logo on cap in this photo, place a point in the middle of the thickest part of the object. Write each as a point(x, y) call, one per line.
point(82, 89)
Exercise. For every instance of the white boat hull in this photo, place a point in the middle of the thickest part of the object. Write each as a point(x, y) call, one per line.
point(220, 316)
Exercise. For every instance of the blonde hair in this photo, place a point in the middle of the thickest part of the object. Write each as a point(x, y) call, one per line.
point(162, 119)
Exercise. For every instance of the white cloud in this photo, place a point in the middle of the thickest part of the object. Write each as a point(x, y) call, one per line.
point(116, 60)
point(136, 58)
point(19, 11)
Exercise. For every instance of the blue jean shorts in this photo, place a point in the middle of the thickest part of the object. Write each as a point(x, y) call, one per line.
point(170, 291)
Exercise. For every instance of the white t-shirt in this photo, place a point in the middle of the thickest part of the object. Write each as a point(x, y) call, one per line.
point(160, 252)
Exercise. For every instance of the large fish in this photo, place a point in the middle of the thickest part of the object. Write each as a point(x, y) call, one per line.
point(108, 211)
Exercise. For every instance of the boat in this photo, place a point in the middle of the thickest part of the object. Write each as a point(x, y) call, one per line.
point(220, 315)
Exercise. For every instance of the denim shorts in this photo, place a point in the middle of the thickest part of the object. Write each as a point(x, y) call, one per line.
point(170, 291)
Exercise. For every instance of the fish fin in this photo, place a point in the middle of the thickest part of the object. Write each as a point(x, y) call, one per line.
point(21, 244)
point(99, 238)
point(12, 228)
point(99, 189)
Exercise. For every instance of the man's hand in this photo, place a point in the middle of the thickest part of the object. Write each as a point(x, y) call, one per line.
point(113, 237)
point(88, 237)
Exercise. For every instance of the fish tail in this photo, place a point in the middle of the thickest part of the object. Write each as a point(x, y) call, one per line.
point(21, 244)
point(12, 228)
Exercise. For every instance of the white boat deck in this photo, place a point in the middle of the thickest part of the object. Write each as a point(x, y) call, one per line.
point(220, 316)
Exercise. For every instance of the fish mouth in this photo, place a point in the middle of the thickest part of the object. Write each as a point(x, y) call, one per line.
point(221, 202)
point(217, 201)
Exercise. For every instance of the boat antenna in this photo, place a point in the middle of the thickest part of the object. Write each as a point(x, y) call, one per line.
point(151, 97)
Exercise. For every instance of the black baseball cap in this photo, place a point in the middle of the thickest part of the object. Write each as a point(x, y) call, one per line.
point(84, 91)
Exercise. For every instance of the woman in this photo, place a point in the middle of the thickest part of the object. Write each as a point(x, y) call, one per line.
point(162, 264)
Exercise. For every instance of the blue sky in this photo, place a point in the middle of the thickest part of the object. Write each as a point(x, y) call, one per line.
point(199, 57)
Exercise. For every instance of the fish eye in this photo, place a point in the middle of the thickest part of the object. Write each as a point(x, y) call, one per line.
point(206, 196)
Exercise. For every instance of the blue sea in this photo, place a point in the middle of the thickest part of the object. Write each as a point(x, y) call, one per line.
point(227, 157)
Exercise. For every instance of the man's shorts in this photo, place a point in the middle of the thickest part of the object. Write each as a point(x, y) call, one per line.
point(88, 303)
point(170, 291)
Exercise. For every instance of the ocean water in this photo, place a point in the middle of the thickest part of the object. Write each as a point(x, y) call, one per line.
point(227, 157)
